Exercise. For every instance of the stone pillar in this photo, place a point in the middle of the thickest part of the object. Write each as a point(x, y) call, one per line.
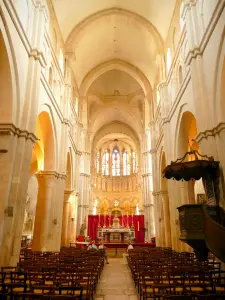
point(157, 220)
point(48, 220)
point(66, 218)
point(165, 199)
point(152, 220)
point(14, 171)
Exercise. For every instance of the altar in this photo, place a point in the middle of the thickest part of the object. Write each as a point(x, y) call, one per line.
point(116, 234)
point(115, 229)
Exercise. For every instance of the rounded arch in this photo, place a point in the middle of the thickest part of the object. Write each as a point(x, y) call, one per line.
point(185, 142)
point(45, 108)
point(9, 83)
point(184, 108)
point(77, 31)
point(118, 128)
point(115, 64)
point(45, 134)
point(162, 180)
point(187, 132)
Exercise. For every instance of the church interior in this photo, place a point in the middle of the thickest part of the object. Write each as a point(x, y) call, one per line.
point(112, 129)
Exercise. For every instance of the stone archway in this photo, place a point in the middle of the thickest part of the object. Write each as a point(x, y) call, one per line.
point(7, 101)
point(115, 64)
point(185, 142)
point(10, 157)
point(47, 212)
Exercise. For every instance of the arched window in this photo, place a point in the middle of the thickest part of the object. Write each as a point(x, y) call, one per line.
point(134, 162)
point(126, 164)
point(98, 162)
point(105, 164)
point(168, 59)
point(115, 162)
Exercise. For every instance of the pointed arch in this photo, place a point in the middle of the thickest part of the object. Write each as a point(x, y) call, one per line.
point(9, 83)
point(116, 64)
point(116, 162)
point(105, 163)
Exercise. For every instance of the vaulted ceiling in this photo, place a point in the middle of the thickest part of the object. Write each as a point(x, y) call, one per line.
point(71, 12)
point(105, 40)
point(96, 31)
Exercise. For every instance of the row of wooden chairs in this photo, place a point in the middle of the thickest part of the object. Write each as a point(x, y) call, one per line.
point(68, 273)
point(160, 273)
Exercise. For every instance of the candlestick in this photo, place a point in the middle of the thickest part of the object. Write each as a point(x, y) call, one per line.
point(132, 221)
point(104, 220)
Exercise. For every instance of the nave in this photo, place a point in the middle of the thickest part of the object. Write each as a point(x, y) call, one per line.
point(116, 282)
point(73, 273)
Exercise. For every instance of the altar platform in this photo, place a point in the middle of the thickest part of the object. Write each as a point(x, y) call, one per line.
point(125, 245)
point(115, 245)
point(114, 249)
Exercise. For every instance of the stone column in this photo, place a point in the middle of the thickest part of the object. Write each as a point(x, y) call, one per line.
point(48, 212)
point(157, 220)
point(165, 199)
point(15, 167)
point(58, 204)
point(66, 218)
point(152, 221)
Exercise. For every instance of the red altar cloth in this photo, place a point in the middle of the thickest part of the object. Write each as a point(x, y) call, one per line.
point(80, 238)
point(138, 222)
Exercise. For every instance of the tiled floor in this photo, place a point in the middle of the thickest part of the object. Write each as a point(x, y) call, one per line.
point(116, 282)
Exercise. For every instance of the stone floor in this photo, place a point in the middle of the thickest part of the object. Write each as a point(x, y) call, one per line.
point(116, 282)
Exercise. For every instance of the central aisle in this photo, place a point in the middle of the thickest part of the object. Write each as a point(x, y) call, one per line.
point(116, 282)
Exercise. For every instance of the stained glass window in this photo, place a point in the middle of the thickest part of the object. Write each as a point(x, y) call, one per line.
point(126, 164)
point(98, 162)
point(105, 164)
point(115, 162)
point(134, 162)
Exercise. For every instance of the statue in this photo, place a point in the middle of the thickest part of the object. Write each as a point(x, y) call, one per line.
point(116, 222)
point(82, 228)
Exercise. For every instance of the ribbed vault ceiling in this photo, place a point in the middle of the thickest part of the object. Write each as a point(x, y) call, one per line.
point(96, 31)
point(71, 12)
point(129, 34)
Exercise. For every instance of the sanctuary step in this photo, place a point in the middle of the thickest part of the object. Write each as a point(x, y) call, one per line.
point(115, 252)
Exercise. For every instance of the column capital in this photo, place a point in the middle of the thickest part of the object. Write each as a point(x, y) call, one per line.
point(69, 192)
point(85, 175)
point(11, 129)
point(83, 206)
point(159, 193)
point(54, 174)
